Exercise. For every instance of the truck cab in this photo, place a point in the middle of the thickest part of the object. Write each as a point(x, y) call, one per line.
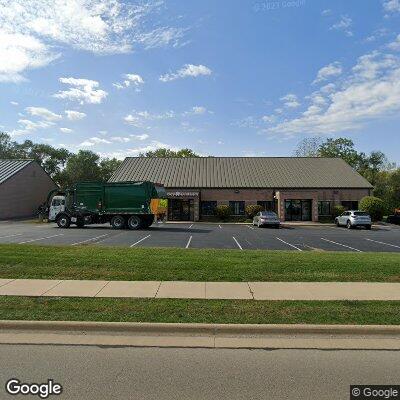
point(57, 206)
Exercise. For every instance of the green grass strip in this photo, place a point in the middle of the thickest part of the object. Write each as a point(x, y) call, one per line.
point(201, 311)
point(117, 263)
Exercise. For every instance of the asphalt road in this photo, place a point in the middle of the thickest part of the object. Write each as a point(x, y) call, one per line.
point(201, 235)
point(90, 372)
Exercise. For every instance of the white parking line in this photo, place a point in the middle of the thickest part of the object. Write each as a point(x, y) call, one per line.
point(188, 243)
point(190, 226)
point(291, 245)
point(387, 244)
point(250, 227)
point(17, 234)
point(240, 247)
point(43, 238)
point(343, 245)
point(220, 227)
point(141, 240)
point(89, 240)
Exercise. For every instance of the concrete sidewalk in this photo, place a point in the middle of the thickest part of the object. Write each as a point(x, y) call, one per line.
point(202, 290)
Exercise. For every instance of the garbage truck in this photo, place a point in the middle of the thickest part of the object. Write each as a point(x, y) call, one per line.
point(132, 205)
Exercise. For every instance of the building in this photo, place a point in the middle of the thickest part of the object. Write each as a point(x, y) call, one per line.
point(299, 189)
point(24, 186)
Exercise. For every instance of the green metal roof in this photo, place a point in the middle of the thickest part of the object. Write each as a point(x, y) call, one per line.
point(242, 172)
point(9, 168)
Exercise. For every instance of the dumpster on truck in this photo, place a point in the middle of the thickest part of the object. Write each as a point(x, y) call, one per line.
point(124, 204)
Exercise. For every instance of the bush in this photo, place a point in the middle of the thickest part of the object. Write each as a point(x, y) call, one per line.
point(338, 210)
point(374, 206)
point(252, 210)
point(223, 211)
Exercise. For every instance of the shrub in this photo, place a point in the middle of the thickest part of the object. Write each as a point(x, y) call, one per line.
point(338, 210)
point(374, 206)
point(223, 211)
point(252, 210)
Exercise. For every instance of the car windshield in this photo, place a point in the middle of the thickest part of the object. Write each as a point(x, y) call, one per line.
point(361, 213)
point(268, 214)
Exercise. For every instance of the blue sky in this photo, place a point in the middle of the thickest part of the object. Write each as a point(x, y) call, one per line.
point(244, 78)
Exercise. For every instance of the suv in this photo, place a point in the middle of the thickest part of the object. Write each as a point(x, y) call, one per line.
point(352, 219)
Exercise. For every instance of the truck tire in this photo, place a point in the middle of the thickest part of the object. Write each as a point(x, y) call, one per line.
point(117, 222)
point(134, 222)
point(63, 221)
point(80, 222)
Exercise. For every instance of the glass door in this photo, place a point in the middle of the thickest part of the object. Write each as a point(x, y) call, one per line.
point(298, 210)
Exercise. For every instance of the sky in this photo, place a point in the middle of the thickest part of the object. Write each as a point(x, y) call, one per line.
point(224, 78)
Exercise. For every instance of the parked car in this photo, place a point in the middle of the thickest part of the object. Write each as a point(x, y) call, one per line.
point(266, 218)
point(353, 219)
point(395, 218)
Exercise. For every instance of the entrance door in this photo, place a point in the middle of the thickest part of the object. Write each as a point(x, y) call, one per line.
point(180, 210)
point(298, 210)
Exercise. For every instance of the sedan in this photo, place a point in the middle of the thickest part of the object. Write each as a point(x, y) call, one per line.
point(266, 218)
point(352, 219)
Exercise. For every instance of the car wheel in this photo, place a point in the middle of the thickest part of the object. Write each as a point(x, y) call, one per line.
point(63, 221)
point(134, 222)
point(259, 225)
point(117, 222)
point(348, 225)
point(337, 223)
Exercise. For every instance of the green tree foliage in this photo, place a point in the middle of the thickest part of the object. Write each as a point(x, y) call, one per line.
point(374, 206)
point(308, 147)
point(223, 211)
point(252, 210)
point(164, 153)
point(338, 210)
point(340, 148)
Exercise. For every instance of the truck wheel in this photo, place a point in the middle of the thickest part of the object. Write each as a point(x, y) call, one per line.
point(117, 222)
point(80, 222)
point(134, 222)
point(63, 221)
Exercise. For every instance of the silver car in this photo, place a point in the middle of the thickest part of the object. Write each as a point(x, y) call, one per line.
point(264, 218)
point(352, 219)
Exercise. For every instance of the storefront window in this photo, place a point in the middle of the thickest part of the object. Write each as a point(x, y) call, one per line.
point(350, 205)
point(324, 208)
point(267, 205)
point(237, 207)
point(208, 207)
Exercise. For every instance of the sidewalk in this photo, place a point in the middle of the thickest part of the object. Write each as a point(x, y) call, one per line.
point(202, 290)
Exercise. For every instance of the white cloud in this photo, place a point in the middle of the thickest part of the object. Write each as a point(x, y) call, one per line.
point(93, 141)
point(31, 29)
point(188, 70)
point(130, 79)
point(391, 6)
point(330, 70)
point(290, 100)
point(140, 118)
point(66, 130)
point(326, 12)
point(14, 103)
point(268, 118)
point(81, 90)
point(120, 139)
point(371, 91)
point(74, 115)
point(144, 136)
point(19, 52)
point(43, 113)
point(344, 25)
point(196, 110)
point(27, 126)
point(395, 45)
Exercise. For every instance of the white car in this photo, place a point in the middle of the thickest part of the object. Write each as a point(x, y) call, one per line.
point(352, 219)
point(264, 218)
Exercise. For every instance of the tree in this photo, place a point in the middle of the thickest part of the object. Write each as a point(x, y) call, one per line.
point(374, 207)
point(164, 153)
point(340, 148)
point(107, 167)
point(308, 147)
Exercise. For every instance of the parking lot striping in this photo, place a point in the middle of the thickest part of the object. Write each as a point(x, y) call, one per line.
point(220, 227)
point(387, 244)
point(343, 245)
point(250, 227)
point(43, 238)
point(291, 245)
point(240, 247)
point(112, 237)
point(139, 241)
point(190, 226)
point(188, 243)
point(88, 240)
point(8, 236)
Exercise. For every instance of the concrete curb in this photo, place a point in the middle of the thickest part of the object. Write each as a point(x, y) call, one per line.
point(206, 336)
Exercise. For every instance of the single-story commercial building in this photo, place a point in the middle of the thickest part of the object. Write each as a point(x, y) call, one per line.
point(297, 188)
point(24, 186)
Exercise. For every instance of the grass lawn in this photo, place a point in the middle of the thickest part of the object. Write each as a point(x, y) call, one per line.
point(204, 311)
point(117, 263)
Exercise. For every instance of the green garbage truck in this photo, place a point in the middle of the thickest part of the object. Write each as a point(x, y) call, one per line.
point(132, 205)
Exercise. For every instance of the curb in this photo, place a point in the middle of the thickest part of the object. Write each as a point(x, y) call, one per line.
point(199, 329)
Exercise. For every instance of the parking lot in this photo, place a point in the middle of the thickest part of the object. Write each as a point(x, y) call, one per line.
point(202, 235)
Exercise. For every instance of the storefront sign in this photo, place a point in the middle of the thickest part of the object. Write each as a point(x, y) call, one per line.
point(183, 194)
